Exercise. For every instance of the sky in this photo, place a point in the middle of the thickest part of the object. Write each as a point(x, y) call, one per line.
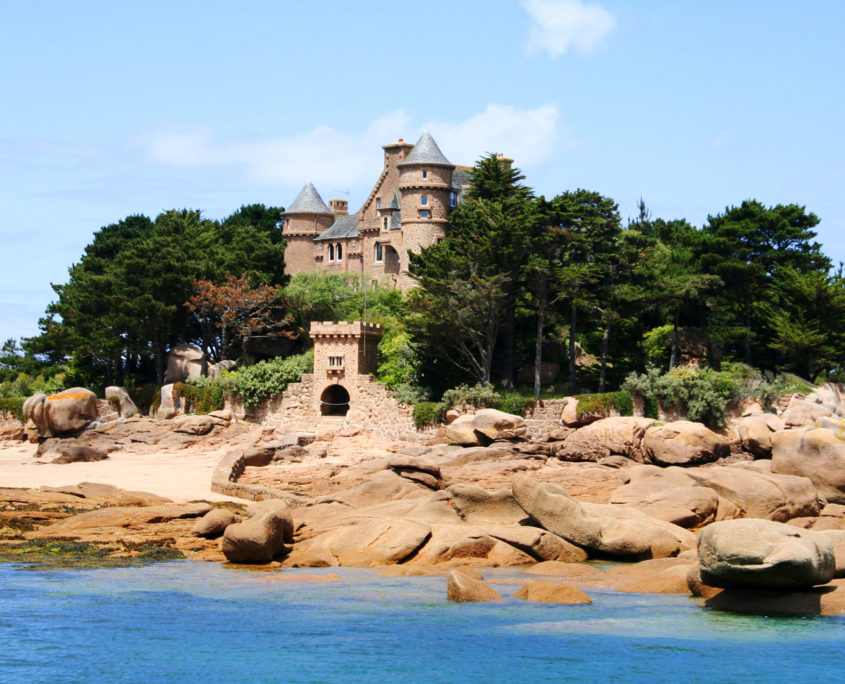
point(117, 108)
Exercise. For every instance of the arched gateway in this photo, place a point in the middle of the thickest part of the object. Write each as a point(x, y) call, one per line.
point(334, 401)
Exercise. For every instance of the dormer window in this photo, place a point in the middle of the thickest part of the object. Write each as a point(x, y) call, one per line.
point(424, 200)
point(425, 174)
point(385, 222)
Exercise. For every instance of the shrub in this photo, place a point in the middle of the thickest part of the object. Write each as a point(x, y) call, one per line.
point(605, 404)
point(409, 394)
point(12, 408)
point(515, 403)
point(267, 378)
point(701, 394)
point(201, 395)
point(428, 413)
point(482, 395)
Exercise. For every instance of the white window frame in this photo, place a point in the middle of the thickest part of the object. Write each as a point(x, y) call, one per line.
point(379, 253)
point(423, 200)
point(331, 253)
point(425, 213)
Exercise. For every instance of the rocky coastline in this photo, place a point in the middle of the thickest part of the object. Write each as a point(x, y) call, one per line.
point(751, 519)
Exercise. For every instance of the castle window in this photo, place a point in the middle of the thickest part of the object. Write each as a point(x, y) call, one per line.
point(425, 174)
point(336, 361)
point(339, 253)
point(378, 202)
point(379, 253)
point(424, 200)
point(453, 198)
point(331, 252)
point(384, 222)
point(425, 213)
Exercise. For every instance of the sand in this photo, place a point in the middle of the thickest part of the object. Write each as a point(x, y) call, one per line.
point(181, 475)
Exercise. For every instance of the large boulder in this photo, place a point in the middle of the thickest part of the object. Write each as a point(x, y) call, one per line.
point(602, 528)
point(124, 404)
point(668, 494)
point(764, 554)
point(815, 453)
point(183, 362)
point(461, 431)
point(64, 413)
point(572, 417)
point(168, 406)
point(758, 492)
point(260, 538)
point(484, 427)
point(755, 432)
point(684, 442)
point(804, 412)
point(497, 425)
point(214, 523)
point(606, 437)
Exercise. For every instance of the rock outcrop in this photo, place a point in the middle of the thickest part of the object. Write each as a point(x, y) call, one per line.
point(484, 427)
point(606, 437)
point(119, 396)
point(685, 443)
point(260, 538)
point(64, 413)
point(461, 587)
point(763, 554)
point(814, 453)
point(544, 591)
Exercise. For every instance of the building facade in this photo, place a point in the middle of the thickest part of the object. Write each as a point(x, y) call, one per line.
point(408, 209)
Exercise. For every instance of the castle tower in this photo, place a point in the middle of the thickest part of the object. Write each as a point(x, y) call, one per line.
point(426, 196)
point(344, 356)
point(305, 219)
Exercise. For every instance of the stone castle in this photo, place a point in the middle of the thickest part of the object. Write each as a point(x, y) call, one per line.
point(407, 209)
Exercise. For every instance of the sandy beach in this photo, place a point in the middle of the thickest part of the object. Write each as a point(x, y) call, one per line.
point(181, 475)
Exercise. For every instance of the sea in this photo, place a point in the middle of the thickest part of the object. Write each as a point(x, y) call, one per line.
point(190, 621)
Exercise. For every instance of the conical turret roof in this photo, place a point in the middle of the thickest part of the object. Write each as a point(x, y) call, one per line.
point(426, 151)
point(308, 201)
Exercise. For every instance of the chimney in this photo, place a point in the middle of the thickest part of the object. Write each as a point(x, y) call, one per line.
point(339, 207)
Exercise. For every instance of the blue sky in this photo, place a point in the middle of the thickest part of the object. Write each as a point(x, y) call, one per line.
point(118, 108)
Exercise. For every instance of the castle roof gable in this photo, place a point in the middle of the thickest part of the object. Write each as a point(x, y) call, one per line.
point(308, 201)
point(343, 227)
point(426, 151)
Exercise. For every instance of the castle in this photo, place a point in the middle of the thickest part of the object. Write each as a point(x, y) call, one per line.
point(407, 209)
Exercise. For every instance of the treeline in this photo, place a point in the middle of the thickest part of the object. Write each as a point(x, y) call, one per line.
point(144, 285)
point(519, 273)
point(521, 285)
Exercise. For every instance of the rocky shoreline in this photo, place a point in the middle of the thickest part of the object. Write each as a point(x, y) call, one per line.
point(751, 519)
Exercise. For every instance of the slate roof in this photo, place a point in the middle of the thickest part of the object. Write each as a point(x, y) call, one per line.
point(308, 201)
point(394, 201)
point(426, 151)
point(343, 227)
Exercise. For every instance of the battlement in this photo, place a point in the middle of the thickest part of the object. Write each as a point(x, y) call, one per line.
point(343, 329)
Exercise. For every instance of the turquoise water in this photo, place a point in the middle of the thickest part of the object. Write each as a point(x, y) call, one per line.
point(202, 622)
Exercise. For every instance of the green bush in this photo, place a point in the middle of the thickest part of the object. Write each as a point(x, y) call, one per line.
point(12, 408)
point(428, 413)
point(266, 378)
point(605, 404)
point(481, 395)
point(515, 403)
point(700, 394)
point(201, 395)
point(409, 394)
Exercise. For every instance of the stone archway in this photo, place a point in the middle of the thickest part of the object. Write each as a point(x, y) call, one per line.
point(391, 260)
point(334, 401)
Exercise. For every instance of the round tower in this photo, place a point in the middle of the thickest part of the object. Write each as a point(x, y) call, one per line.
point(426, 195)
point(305, 219)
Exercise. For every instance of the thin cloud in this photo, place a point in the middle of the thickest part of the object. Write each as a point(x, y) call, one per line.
point(525, 135)
point(558, 26)
point(328, 156)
